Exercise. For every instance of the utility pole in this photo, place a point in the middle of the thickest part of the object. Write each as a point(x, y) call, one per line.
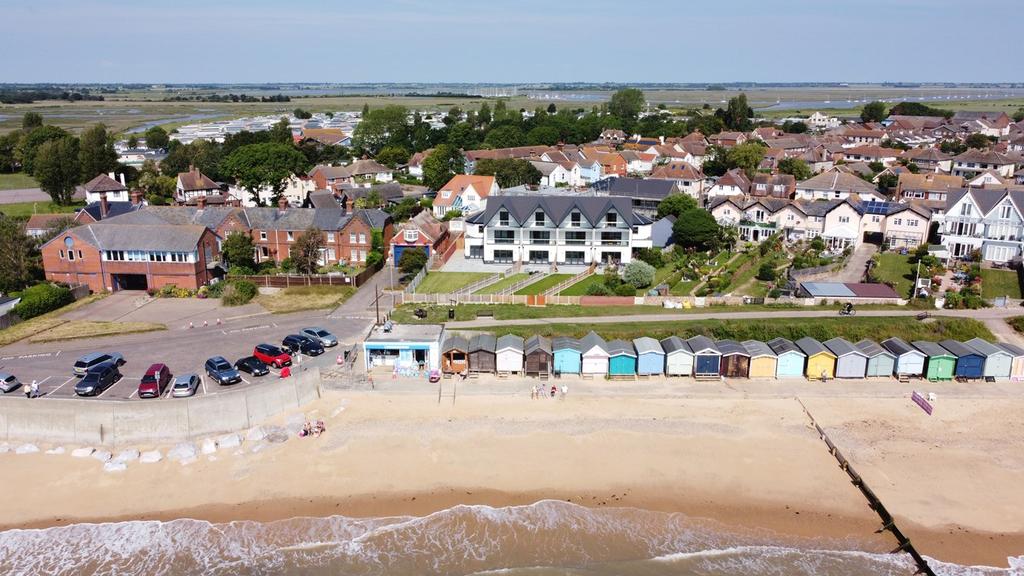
point(376, 301)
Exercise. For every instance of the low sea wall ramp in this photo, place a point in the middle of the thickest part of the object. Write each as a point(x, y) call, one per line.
point(89, 421)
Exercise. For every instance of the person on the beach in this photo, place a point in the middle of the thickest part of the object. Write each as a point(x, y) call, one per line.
point(35, 389)
point(28, 390)
point(554, 390)
point(565, 390)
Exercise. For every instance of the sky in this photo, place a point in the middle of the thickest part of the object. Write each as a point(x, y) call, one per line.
point(517, 41)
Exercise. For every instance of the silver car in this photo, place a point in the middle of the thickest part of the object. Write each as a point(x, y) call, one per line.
point(87, 362)
point(8, 382)
point(325, 338)
point(185, 386)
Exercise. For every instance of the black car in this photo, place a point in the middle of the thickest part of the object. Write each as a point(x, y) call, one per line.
point(221, 371)
point(297, 343)
point(252, 365)
point(98, 379)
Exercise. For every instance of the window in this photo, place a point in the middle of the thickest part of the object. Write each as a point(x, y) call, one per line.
point(965, 210)
point(504, 236)
point(844, 219)
point(790, 218)
point(503, 218)
point(157, 257)
point(575, 220)
point(911, 222)
point(446, 194)
point(898, 221)
point(330, 236)
point(362, 238)
point(538, 218)
point(352, 238)
point(411, 235)
point(876, 218)
point(1005, 211)
point(263, 235)
point(575, 238)
point(80, 255)
point(62, 255)
point(611, 219)
point(291, 237)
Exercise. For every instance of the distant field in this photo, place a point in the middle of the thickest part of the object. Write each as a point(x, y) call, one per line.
point(17, 181)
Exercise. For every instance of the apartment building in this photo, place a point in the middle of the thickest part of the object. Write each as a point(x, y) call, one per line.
point(986, 220)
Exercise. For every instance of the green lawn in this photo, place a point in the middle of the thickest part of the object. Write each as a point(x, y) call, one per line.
point(683, 288)
point(26, 209)
point(503, 283)
point(17, 181)
point(540, 286)
point(899, 270)
point(580, 288)
point(995, 283)
point(448, 282)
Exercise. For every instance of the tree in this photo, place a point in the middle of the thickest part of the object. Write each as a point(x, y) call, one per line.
point(372, 200)
point(977, 140)
point(791, 127)
point(30, 142)
point(382, 127)
point(302, 114)
point(766, 272)
point(918, 109)
point(463, 136)
point(509, 172)
point(887, 182)
point(795, 166)
point(506, 136)
point(392, 156)
point(543, 136)
point(873, 112)
point(31, 120)
point(280, 132)
point(237, 250)
point(737, 113)
point(552, 109)
point(405, 209)
point(258, 166)
point(675, 205)
point(20, 263)
point(483, 116)
point(205, 156)
point(133, 141)
point(306, 250)
point(442, 164)
point(696, 229)
point(639, 274)
point(746, 156)
point(412, 260)
point(627, 104)
point(156, 137)
point(96, 153)
point(57, 168)
point(8, 151)
point(1018, 115)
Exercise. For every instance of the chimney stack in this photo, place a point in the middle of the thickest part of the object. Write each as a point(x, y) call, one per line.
point(349, 205)
point(104, 206)
point(122, 179)
point(282, 204)
point(201, 202)
point(136, 197)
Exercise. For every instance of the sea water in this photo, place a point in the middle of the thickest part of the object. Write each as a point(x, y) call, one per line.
point(541, 539)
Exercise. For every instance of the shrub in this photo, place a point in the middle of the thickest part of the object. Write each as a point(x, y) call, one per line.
point(818, 243)
point(42, 298)
point(639, 274)
point(238, 292)
point(413, 260)
point(241, 271)
point(651, 256)
point(216, 290)
point(374, 259)
point(766, 272)
point(774, 293)
point(625, 290)
point(598, 290)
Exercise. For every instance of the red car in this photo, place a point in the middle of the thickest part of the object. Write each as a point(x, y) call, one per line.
point(272, 355)
point(155, 381)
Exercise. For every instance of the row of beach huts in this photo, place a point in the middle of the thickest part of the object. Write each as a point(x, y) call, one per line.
point(704, 358)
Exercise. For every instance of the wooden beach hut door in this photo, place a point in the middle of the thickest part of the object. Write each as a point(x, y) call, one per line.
point(735, 366)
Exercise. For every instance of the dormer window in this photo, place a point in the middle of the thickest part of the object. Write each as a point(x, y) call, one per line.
point(538, 218)
point(611, 219)
point(575, 220)
point(446, 194)
point(503, 218)
point(411, 235)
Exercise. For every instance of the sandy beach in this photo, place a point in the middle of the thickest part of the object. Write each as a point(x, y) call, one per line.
point(754, 465)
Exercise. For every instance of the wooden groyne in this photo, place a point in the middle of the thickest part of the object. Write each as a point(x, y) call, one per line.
point(888, 522)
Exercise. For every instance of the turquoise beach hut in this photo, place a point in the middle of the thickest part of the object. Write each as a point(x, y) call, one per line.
point(791, 359)
point(621, 358)
point(568, 355)
point(650, 357)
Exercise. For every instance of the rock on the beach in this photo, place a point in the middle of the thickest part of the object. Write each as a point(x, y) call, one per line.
point(276, 435)
point(182, 451)
point(114, 466)
point(129, 455)
point(57, 450)
point(150, 457)
point(82, 452)
point(26, 449)
point(102, 455)
point(209, 446)
point(255, 434)
point(229, 441)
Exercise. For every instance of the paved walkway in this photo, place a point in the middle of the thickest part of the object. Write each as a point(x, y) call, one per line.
point(853, 270)
point(20, 195)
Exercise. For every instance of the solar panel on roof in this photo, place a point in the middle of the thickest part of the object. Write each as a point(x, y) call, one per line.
point(876, 207)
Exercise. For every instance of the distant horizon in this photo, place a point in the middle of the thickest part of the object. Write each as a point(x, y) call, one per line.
point(555, 84)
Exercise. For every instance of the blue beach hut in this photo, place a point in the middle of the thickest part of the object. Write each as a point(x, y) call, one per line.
point(650, 357)
point(568, 355)
point(621, 358)
point(707, 359)
point(970, 363)
point(791, 359)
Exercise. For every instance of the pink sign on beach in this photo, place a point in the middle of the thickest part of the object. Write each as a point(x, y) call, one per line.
point(920, 401)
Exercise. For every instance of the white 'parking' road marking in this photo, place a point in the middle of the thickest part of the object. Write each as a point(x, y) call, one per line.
point(54, 391)
point(244, 380)
point(202, 380)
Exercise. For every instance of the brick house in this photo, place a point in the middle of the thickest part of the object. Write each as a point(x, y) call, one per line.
point(193, 184)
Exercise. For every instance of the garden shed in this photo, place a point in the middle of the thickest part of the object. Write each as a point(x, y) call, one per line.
point(510, 353)
point(909, 360)
point(1017, 366)
point(650, 357)
point(621, 358)
point(482, 353)
point(791, 360)
point(538, 355)
point(594, 354)
point(821, 362)
point(735, 359)
point(850, 362)
point(970, 364)
point(679, 357)
point(998, 362)
point(763, 360)
point(706, 357)
point(455, 355)
point(941, 363)
point(881, 362)
point(566, 352)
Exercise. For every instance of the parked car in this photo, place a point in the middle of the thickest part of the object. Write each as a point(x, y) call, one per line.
point(83, 364)
point(252, 365)
point(272, 355)
point(155, 381)
point(98, 379)
point(325, 338)
point(185, 386)
point(297, 343)
point(221, 371)
point(8, 382)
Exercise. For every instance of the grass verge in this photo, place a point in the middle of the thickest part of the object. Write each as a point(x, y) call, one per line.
point(580, 288)
point(47, 321)
point(540, 286)
point(448, 282)
point(17, 181)
point(75, 329)
point(502, 284)
point(26, 209)
point(298, 298)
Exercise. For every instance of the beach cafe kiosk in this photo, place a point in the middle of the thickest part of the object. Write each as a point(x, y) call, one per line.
point(941, 362)
point(594, 354)
point(970, 364)
point(1017, 367)
point(790, 359)
point(455, 355)
point(821, 362)
point(706, 357)
point(909, 360)
point(881, 362)
point(404, 346)
point(482, 354)
point(850, 362)
point(763, 360)
point(509, 352)
point(566, 353)
point(621, 358)
point(998, 362)
point(650, 357)
point(679, 357)
point(735, 359)
point(538, 355)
